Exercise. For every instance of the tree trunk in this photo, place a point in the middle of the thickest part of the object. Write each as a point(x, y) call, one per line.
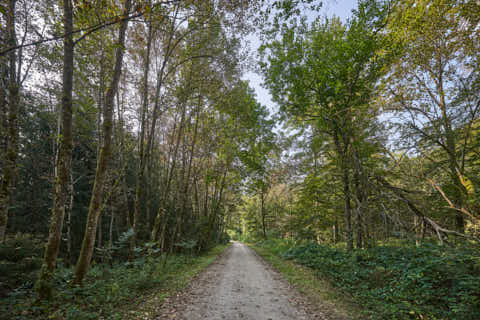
point(369, 230)
point(342, 153)
point(169, 176)
point(348, 215)
point(335, 231)
point(417, 222)
point(3, 149)
point(124, 190)
point(110, 228)
point(458, 198)
point(95, 207)
point(10, 167)
point(264, 227)
point(359, 194)
point(190, 162)
point(65, 141)
point(100, 233)
point(142, 156)
point(68, 209)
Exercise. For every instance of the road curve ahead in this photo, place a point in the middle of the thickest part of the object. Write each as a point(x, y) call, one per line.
point(241, 286)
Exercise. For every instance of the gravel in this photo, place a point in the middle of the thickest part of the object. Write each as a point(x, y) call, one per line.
point(240, 285)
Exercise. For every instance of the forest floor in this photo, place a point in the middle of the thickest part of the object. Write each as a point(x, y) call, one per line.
point(240, 285)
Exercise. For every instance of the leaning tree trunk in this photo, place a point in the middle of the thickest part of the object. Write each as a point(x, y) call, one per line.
point(95, 208)
point(10, 165)
point(64, 158)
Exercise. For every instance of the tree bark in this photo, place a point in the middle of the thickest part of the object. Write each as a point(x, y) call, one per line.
point(95, 207)
point(10, 167)
point(65, 141)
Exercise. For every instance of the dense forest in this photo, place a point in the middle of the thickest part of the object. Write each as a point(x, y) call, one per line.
point(129, 136)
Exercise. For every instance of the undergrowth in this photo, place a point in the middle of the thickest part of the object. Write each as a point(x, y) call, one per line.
point(429, 282)
point(109, 292)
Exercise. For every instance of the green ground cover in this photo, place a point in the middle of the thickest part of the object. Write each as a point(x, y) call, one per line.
point(118, 291)
point(395, 281)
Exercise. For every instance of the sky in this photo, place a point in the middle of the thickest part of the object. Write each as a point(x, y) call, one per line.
point(340, 8)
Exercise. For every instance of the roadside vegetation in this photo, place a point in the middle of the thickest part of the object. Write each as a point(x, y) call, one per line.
point(319, 292)
point(377, 188)
point(392, 281)
point(116, 290)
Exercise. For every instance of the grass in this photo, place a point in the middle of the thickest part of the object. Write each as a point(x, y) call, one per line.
point(147, 306)
point(330, 301)
point(122, 291)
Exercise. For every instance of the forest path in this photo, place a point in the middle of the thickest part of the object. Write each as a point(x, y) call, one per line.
point(240, 285)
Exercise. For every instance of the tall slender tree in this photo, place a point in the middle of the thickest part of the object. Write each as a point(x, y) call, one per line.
point(63, 159)
point(9, 106)
point(95, 208)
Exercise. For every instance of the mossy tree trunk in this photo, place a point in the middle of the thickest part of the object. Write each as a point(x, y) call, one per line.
point(64, 160)
point(95, 208)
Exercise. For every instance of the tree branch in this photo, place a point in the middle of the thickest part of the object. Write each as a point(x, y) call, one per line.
point(88, 30)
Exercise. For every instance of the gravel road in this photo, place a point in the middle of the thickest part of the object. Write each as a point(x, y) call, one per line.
point(241, 286)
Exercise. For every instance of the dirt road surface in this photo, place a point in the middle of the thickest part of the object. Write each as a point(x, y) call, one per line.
point(240, 285)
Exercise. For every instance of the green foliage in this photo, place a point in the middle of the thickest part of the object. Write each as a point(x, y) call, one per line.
point(224, 238)
point(187, 245)
point(278, 246)
point(398, 282)
point(107, 288)
point(20, 258)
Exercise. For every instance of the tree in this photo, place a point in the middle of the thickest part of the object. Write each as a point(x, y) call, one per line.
point(258, 159)
point(437, 45)
point(9, 110)
point(95, 208)
point(325, 77)
point(64, 159)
